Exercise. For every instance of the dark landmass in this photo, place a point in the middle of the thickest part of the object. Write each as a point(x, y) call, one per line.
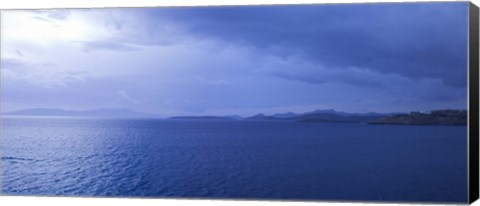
point(320, 116)
point(202, 118)
point(351, 118)
point(285, 115)
point(110, 113)
point(437, 117)
point(262, 117)
point(328, 111)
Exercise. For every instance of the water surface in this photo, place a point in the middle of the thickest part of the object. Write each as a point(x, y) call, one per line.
point(233, 159)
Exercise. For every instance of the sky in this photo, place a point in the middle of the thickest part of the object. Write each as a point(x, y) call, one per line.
point(242, 60)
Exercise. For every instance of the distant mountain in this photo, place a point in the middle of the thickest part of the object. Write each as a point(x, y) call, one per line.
point(261, 116)
point(332, 111)
point(41, 112)
point(327, 111)
point(114, 113)
point(202, 118)
point(336, 117)
point(437, 117)
point(328, 115)
point(285, 115)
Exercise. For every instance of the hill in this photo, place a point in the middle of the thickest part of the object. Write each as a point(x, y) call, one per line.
point(319, 116)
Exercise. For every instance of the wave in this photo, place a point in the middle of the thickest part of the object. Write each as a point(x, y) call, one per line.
point(18, 158)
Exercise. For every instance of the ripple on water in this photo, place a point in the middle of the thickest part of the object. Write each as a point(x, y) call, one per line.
point(231, 159)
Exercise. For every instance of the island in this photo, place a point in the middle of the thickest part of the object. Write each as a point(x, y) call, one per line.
point(436, 117)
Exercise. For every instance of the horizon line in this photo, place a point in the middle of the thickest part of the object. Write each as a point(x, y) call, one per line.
point(212, 115)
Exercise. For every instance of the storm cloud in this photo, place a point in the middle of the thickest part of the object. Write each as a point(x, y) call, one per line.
point(384, 57)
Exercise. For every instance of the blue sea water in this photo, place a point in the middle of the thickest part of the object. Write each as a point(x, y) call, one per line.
point(233, 159)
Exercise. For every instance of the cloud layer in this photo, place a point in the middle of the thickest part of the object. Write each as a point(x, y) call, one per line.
point(238, 60)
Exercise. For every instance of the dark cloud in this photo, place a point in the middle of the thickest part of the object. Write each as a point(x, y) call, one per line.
point(417, 40)
point(240, 60)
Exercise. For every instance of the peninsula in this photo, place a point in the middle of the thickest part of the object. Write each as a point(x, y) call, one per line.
point(436, 117)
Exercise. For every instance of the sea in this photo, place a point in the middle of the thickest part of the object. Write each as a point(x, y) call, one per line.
point(203, 159)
